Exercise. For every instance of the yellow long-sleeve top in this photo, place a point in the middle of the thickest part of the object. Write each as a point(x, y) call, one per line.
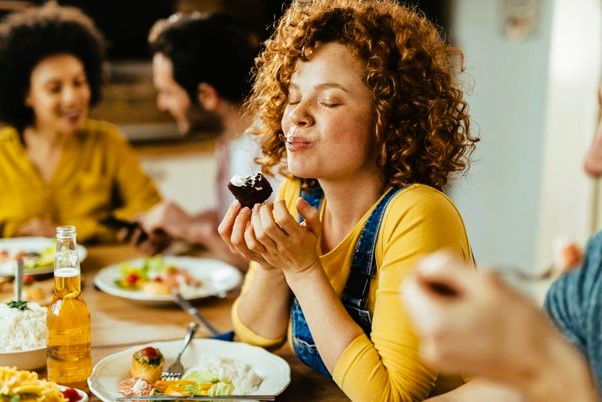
point(98, 173)
point(385, 366)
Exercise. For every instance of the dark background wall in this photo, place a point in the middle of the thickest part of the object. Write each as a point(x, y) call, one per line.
point(126, 23)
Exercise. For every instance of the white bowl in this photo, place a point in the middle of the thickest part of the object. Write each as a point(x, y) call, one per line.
point(24, 360)
point(83, 397)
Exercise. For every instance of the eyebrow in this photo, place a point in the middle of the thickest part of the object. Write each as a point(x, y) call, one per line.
point(79, 75)
point(326, 85)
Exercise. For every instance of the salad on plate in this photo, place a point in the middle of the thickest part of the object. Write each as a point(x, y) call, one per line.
point(155, 276)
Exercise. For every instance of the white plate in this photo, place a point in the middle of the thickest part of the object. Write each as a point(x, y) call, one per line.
point(110, 371)
point(31, 244)
point(217, 278)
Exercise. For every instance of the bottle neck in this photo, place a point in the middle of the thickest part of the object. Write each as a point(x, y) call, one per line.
point(66, 254)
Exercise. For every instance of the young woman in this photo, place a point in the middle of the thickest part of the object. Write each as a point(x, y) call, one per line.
point(57, 167)
point(362, 111)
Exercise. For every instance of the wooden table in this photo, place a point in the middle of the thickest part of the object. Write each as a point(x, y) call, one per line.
point(119, 323)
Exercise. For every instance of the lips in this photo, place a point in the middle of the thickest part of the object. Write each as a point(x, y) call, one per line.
point(73, 115)
point(297, 143)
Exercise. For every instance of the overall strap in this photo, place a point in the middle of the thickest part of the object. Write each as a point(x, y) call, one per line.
point(363, 263)
point(354, 297)
point(313, 197)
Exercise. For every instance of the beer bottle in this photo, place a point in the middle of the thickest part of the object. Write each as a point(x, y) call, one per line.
point(69, 358)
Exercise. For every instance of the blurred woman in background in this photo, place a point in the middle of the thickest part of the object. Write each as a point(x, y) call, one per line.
point(57, 166)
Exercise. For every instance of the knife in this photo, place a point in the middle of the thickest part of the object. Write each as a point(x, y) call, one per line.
point(193, 311)
point(197, 398)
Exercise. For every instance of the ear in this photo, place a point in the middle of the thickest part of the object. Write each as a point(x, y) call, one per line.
point(208, 96)
point(28, 99)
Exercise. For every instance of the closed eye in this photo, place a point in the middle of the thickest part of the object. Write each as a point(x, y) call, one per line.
point(330, 104)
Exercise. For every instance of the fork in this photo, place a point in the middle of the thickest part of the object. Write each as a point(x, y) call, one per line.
point(175, 371)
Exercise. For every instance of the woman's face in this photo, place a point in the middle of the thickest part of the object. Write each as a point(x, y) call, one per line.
point(59, 94)
point(328, 121)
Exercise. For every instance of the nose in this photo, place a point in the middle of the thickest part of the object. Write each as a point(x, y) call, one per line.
point(69, 94)
point(300, 116)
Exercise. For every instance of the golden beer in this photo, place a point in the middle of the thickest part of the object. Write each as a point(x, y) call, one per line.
point(69, 359)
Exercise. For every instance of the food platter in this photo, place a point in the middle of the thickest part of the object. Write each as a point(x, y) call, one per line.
point(39, 255)
point(216, 278)
point(110, 371)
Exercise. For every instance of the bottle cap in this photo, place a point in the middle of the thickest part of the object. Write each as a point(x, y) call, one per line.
point(65, 231)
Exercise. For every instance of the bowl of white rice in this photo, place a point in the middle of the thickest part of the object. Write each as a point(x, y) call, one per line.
point(23, 340)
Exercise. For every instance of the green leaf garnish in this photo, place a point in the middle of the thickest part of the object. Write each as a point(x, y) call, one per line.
point(19, 305)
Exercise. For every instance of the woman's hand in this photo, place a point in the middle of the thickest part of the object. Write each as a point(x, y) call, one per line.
point(280, 240)
point(271, 236)
point(232, 230)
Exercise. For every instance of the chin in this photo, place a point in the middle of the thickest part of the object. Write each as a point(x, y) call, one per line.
point(303, 171)
point(70, 129)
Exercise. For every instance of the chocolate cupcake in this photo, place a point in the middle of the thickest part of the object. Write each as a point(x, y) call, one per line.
point(250, 190)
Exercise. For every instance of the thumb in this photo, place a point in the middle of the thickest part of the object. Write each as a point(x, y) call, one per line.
point(310, 215)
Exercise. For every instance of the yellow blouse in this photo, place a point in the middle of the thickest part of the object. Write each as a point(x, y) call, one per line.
point(98, 173)
point(385, 366)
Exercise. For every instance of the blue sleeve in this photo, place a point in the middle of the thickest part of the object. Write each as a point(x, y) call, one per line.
point(573, 301)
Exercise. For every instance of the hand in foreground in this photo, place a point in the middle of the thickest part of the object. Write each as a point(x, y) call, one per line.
point(271, 236)
point(37, 227)
point(472, 322)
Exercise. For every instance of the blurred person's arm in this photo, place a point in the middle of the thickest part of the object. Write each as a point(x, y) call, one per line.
point(474, 323)
point(479, 390)
point(136, 191)
point(168, 218)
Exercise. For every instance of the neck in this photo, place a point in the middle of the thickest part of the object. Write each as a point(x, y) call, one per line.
point(35, 137)
point(348, 201)
point(234, 123)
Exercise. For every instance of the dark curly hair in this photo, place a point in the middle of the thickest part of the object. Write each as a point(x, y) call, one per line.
point(422, 125)
point(28, 37)
point(212, 48)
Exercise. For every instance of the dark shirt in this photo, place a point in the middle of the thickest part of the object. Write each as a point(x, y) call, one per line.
point(574, 302)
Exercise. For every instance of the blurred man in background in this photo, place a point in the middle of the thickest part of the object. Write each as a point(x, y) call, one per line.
point(201, 65)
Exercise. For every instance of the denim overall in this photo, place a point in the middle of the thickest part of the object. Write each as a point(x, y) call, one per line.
point(355, 293)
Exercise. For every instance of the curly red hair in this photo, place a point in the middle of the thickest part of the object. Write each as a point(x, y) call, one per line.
point(422, 125)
